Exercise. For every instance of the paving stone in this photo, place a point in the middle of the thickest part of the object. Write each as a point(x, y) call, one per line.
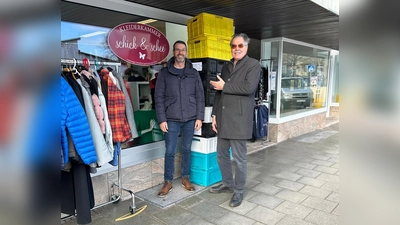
point(311, 181)
point(291, 196)
point(336, 210)
point(335, 160)
point(308, 173)
point(190, 202)
point(320, 204)
point(267, 188)
point(322, 218)
point(248, 193)
point(293, 209)
point(244, 208)
point(316, 192)
point(328, 177)
point(334, 197)
point(208, 211)
point(330, 155)
point(332, 152)
point(266, 200)
point(252, 173)
point(287, 175)
point(251, 183)
point(280, 160)
point(303, 159)
point(174, 215)
point(233, 218)
point(253, 159)
point(305, 165)
point(325, 169)
point(215, 198)
point(199, 221)
point(257, 223)
point(290, 220)
point(336, 166)
point(265, 178)
point(331, 186)
point(265, 215)
point(293, 186)
point(320, 157)
point(322, 162)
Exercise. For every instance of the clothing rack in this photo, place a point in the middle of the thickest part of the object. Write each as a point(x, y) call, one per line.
point(268, 94)
point(92, 62)
point(114, 198)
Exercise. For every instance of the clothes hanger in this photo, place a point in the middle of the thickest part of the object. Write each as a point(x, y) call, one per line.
point(74, 71)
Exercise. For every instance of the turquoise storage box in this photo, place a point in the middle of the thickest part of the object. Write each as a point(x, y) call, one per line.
point(203, 161)
point(205, 177)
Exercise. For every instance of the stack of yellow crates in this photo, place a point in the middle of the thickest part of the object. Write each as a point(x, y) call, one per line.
point(209, 36)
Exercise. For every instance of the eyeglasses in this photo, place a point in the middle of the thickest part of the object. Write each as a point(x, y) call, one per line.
point(179, 50)
point(233, 46)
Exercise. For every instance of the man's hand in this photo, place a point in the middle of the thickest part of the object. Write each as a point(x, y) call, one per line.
point(218, 85)
point(214, 124)
point(164, 127)
point(198, 124)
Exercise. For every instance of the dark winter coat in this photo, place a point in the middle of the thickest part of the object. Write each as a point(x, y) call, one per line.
point(179, 98)
point(234, 105)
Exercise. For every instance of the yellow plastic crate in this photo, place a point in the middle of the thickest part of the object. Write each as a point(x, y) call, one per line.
point(209, 24)
point(209, 46)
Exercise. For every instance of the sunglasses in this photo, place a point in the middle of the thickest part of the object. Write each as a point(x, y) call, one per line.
point(239, 45)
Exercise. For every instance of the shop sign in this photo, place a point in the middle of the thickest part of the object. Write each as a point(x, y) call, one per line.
point(138, 44)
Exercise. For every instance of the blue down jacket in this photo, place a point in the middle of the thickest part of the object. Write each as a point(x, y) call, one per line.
point(179, 98)
point(74, 119)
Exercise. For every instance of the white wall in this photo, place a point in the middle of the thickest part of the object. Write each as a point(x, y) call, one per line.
point(332, 5)
point(175, 32)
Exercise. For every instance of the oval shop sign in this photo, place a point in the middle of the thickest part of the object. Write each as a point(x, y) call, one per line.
point(138, 44)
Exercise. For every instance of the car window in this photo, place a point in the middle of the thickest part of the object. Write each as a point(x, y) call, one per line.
point(293, 83)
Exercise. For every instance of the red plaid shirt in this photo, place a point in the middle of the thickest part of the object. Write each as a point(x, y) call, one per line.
point(116, 113)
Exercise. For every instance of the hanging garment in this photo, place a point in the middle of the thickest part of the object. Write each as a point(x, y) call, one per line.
point(77, 193)
point(108, 134)
point(260, 123)
point(128, 106)
point(116, 113)
point(117, 151)
point(73, 117)
point(104, 153)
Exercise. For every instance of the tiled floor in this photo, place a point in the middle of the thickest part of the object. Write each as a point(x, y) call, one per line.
point(293, 182)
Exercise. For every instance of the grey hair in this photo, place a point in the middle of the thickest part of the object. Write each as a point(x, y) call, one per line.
point(244, 36)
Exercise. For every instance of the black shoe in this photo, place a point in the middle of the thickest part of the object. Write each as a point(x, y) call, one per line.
point(220, 188)
point(236, 200)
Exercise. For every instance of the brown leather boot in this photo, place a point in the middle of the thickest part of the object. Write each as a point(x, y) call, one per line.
point(187, 185)
point(165, 189)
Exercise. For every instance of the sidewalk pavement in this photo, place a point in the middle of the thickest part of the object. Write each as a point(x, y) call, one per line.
point(295, 182)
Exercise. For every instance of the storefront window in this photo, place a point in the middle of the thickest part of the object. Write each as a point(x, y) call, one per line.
point(81, 41)
point(335, 98)
point(304, 78)
point(269, 62)
point(298, 79)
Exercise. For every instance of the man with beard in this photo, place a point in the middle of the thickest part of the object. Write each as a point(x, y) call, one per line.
point(179, 101)
point(232, 116)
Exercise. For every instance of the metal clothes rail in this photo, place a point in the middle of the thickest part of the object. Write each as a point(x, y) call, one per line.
point(114, 198)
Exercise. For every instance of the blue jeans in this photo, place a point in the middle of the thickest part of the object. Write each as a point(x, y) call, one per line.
point(171, 139)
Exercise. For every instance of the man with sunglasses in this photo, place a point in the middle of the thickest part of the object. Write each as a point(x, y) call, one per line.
point(179, 98)
point(232, 116)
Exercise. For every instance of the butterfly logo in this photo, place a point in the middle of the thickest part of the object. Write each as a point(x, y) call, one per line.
point(142, 55)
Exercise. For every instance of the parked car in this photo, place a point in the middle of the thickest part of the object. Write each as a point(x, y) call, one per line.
point(295, 93)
